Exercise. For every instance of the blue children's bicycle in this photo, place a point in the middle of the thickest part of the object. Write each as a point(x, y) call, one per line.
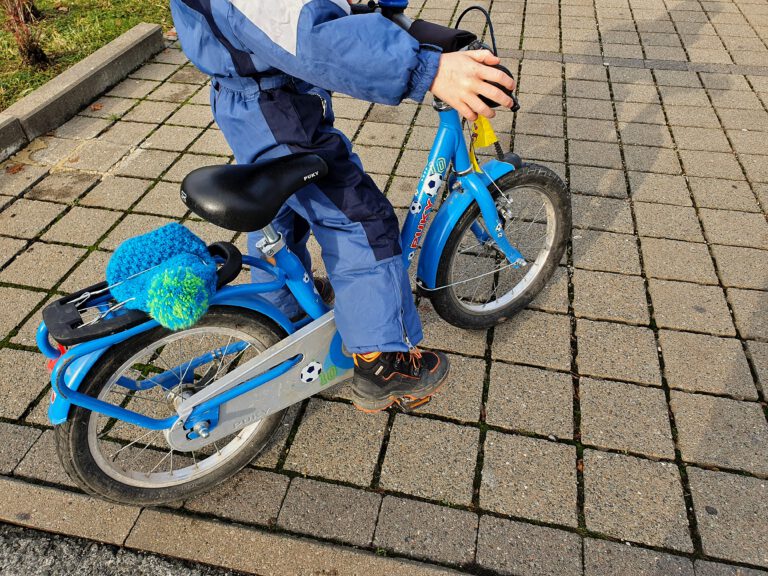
point(145, 415)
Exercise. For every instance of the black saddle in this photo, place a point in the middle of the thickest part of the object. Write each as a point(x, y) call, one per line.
point(247, 197)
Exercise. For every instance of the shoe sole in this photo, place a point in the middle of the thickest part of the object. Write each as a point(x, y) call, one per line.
point(375, 406)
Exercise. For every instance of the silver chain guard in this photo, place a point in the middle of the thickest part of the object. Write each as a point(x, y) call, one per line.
point(313, 341)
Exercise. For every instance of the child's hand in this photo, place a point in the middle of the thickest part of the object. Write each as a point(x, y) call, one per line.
point(462, 76)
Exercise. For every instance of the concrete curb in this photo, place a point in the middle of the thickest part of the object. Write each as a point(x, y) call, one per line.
point(56, 101)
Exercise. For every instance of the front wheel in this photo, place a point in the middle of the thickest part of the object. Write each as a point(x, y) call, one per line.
point(150, 374)
point(476, 287)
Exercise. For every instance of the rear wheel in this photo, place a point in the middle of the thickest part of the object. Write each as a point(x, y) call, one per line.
point(130, 464)
point(476, 286)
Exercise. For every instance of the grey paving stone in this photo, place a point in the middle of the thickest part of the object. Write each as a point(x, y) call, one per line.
point(590, 129)
point(508, 547)
point(145, 163)
point(605, 251)
point(151, 112)
point(554, 296)
point(754, 166)
point(676, 260)
point(42, 462)
point(192, 115)
point(541, 148)
point(211, 142)
point(426, 531)
point(604, 296)
point(685, 306)
point(27, 218)
point(89, 272)
point(441, 335)
point(116, 192)
point(598, 181)
point(164, 200)
point(17, 440)
point(534, 338)
point(49, 262)
point(174, 92)
point(603, 154)
point(721, 432)
point(330, 430)
point(96, 155)
point(133, 88)
point(350, 108)
point(107, 107)
point(189, 162)
point(189, 74)
point(530, 400)
point(758, 351)
point(330, 511)
point(400, 114)
point(381, 134)
point(637, 134)
point(602, 558)
point(704, 568)
point(132, 225)
point(8, 248)
point(24, 377)
point(529, 478)
point(698, 116)
point(608, 350)
point(431, 459)
point(659, 188)
point(44, 151)
point(705, 139)
point(251, 496)
point(664, 221)
point(154, 71)
point(540, 124)
point(62, 186)
point(732, 514)
point(635, 499)
point(625, 417)
point(174, 138)
point(588, 108)
point(750, 308)
point(711, 164)
point(644, 113)
point(742, 267)
point(461, 395)
point(743, 119)
point(735, 228)
point(723, 194)
point(81, 128)
point(82, 226)
point(602, 214)
point(130, 133)
point(703, 363)
point(208, 232)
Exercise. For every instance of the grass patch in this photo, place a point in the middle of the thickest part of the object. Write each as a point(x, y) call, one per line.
point(70, 30)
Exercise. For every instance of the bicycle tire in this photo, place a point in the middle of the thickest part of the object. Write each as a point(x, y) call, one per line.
point(74, 437)
point(445, 298)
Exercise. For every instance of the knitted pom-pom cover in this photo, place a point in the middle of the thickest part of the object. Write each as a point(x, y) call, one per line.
point(175, 276)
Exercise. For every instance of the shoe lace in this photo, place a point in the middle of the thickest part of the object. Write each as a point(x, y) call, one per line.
point(412, 359)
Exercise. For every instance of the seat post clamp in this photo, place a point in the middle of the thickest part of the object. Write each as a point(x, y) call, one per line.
point(271, 247)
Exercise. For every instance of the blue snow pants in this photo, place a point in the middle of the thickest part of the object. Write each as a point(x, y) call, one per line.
point(351, 219)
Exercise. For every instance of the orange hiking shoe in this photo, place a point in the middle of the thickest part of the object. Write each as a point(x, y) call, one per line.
point(408, 379)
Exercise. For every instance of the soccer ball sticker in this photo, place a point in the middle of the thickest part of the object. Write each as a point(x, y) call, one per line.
point(311, 372)
point(415, 207)
point(432, 184)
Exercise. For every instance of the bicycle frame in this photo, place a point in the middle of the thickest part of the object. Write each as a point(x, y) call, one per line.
point(262, 379)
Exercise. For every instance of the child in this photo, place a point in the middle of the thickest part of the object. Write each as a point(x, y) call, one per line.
point(272, 63)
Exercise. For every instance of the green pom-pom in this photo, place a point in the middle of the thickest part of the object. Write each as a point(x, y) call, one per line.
point(178, 297)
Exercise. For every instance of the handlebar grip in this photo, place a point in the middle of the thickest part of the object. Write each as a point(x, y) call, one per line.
point(507, 91)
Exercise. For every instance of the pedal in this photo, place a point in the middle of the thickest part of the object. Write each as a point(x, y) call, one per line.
point(408, 405)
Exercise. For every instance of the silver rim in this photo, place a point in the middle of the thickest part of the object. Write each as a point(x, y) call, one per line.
point(142, 458)
point(481, 280)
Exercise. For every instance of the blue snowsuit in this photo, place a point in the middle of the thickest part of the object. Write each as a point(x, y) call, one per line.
point(272, 63)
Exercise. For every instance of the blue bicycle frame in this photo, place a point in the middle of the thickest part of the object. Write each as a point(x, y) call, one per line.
point(468, 186)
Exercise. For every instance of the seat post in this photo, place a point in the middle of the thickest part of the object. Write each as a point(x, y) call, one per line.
point(271, 243)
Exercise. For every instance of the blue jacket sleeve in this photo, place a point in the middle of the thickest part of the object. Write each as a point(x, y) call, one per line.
point(365, 56)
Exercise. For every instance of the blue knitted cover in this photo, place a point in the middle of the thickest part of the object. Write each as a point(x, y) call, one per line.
point(179, 286)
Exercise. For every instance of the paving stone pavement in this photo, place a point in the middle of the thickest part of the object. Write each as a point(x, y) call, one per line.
point(618, 426)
